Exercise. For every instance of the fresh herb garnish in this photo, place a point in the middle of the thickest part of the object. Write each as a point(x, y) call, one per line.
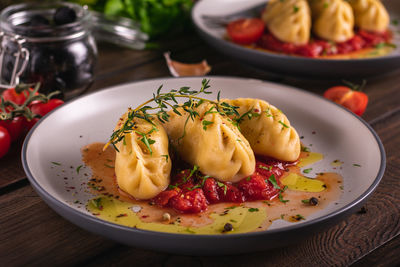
point(305, 149)
point(166, 157)
point(97, 203)
point(281, 198)
point(78, 168)
point(296, 9)
point(222, 185)
point(206, 123)
point(356, 165)
point(108, 166)
point(307, 170)
point(162, 102)
point(56, 163)
point(273, 181)
point(265, 168)
point(253, 209)
point(283, 124)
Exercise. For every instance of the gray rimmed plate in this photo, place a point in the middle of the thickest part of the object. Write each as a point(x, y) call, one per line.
point(51, 153)
point(287, 64)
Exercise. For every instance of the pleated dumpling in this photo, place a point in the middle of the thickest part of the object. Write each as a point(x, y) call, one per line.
point(269, 133)
point(370, 15)
point(211, 142)
point(333, 20)
point(289, 20)
point(141, 172)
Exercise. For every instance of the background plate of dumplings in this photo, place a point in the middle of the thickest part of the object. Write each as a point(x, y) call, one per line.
point(52, 160)
point(288, 64)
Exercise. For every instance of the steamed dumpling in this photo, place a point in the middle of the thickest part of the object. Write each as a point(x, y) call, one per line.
point(333, 20)
point(139, 172)
point(289, 20)
point(270, 133)
point(370, 15)
point(211, 142)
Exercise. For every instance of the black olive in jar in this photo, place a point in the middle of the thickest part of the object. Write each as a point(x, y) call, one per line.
point(62, 56)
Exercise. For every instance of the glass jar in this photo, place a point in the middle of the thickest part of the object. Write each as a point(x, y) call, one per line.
point(61, 57)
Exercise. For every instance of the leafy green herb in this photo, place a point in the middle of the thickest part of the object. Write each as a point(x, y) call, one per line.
point(231, 207)
point(222, 185)
point(283, 124)
point(269, 168)
point(282, 216)
point(56, 163)
point(307, 170)
point(305, 149)
point(253, 209)
point(273, 181)
point(356, 165)
point(206, 123)
point(164, 101)
point(395, 22)
point(281, 198)
point(78, 168)
point(108, 166)
point(296, 9)
point(248, 178)
point(97, 203)
point(305, 201)
point(166, 157)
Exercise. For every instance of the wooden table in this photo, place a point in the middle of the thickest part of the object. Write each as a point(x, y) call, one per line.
point(32, 233)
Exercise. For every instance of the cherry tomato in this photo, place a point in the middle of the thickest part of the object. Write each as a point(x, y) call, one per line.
point(5, 141)
point(14, 127)
point(245, 31)
point(356, 101)
point(18, 98)
point(27, 125)
point(42, 109)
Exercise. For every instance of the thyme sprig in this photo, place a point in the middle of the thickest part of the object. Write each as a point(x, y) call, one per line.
point(162, 103)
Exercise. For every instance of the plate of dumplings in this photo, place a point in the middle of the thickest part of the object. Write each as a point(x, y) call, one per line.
point(307, 38)
point(346, 165)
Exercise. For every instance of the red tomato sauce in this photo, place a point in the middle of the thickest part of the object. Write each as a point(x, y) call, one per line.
point(317, 47)
point(192, 192)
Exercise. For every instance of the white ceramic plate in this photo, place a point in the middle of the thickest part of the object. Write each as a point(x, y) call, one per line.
point(288, 64)
point(331, 129)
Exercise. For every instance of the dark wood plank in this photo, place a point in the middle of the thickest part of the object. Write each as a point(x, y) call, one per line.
point(386, 255)
point(32, 234)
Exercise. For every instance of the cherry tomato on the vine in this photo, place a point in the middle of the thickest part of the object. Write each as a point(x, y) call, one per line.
point(14, 127)
point(42, 109)
point(5, 141)
point(355, 101)
point(18, 98)
point(28, 124)
point(245, 31)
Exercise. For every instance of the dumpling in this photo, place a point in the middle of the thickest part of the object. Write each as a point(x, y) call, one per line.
point(140, 172)
point(211, 142)
point(289, 20)
point(370, 15)
point(333, 20)
point(270, 133)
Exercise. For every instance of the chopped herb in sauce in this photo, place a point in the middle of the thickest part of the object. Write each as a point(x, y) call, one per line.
point(272, 180)
point(253, 209)
point(78, 168)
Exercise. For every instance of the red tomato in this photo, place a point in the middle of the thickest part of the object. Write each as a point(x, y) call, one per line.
point(5, 141)
point(356, 101)
point(27, 125)
point(18, 98)
point(245, 31)
point(42, 109)
point(14, 127)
